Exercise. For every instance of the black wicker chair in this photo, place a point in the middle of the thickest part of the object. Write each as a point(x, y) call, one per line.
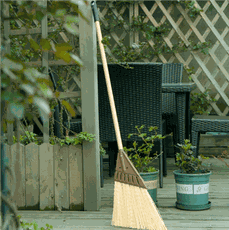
point(172, 73)
point(138, 99)
point(206, 123)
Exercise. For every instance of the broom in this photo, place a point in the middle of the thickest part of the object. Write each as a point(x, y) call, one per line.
point(133, 206)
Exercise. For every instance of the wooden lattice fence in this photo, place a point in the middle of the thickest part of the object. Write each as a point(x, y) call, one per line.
point(211, 70)
point(40, 30)
point(39, 165)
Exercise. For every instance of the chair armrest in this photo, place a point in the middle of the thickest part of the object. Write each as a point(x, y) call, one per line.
point(178, 87)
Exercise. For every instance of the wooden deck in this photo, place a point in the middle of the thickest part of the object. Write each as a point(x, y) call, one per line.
point(217, 217)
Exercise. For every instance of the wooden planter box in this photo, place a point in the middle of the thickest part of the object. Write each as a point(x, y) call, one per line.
point(47, 176)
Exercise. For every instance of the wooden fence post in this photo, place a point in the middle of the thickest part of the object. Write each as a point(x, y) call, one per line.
point(90, 118)
point(45, 63)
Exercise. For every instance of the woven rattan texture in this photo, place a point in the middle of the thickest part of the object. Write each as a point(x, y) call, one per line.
point(211, 125)
point(138, 99)
point(172, 73)
point(174, 89)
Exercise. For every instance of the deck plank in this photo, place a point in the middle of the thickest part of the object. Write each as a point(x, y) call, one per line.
point(217, 217)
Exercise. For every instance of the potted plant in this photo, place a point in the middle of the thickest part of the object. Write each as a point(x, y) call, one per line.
point(140, 157)
point(192, 180)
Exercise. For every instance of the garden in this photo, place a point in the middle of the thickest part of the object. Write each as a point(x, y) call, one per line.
point(52, 114)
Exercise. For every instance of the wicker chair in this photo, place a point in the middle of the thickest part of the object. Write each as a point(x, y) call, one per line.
point(138, 99)
point(172, 73)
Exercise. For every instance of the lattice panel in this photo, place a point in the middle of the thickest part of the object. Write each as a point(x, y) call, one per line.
point(70, 94)
point(211, 70)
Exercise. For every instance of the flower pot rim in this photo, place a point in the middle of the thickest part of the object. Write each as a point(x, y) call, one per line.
point(145, 173)
point(178, 172)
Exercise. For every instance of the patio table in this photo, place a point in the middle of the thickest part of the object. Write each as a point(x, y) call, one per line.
point(182, 94)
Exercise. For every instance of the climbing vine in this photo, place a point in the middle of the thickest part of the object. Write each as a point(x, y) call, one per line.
point(122, 54)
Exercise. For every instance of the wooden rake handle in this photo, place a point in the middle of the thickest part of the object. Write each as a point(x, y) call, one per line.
point(107, 76)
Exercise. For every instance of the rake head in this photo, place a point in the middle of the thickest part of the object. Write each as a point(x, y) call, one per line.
point(126, 172)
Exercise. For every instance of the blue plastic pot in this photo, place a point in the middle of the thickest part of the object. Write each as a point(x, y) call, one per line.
point(151, 180)
point(192, 191)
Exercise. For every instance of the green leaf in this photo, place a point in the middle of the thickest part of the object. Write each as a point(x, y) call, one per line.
point(45, 90)
point(71, 28)
point(69, 108)
point(71, 19)
point(63, 47)
point(17, 110)
point(77, 59)
point(63, 55)
point(28, 88)
point(39, 15)
point(45, 44)
point(60, 12)
point(42, 104)
point(34, 45)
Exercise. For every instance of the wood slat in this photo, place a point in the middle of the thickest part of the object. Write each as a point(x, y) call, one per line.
point(76, 178)
point(18, 162)
point(61, 177)
point(213, 29)
point(217, 217)
point(51, 63)
point(75, 94)
point(23, 31)
point(208, 140)
point(32, 176)
point(46, 177)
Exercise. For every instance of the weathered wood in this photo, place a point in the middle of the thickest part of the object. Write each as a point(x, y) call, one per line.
point(90, 119)
point(10, 117)
point(32, 176)
point(74, 94)
point(46, 177)
point(18, 165)
point(45, 57)
point(217, 217)
point(46, 174)
point(52, 63)
point(76, 184)
point(61, 177)
point(209, 140)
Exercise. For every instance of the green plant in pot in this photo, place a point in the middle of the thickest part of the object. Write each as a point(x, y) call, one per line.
point(140, 157)
point(192, 180)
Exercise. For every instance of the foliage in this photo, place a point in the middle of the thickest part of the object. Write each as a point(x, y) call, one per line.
point(142, 163)
point(200, 102)
point(30, 137)
point(24, 225)
point(122, 54)
point(224, 155)
point(187, 162)
point(193, 10)
point(21, 84)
